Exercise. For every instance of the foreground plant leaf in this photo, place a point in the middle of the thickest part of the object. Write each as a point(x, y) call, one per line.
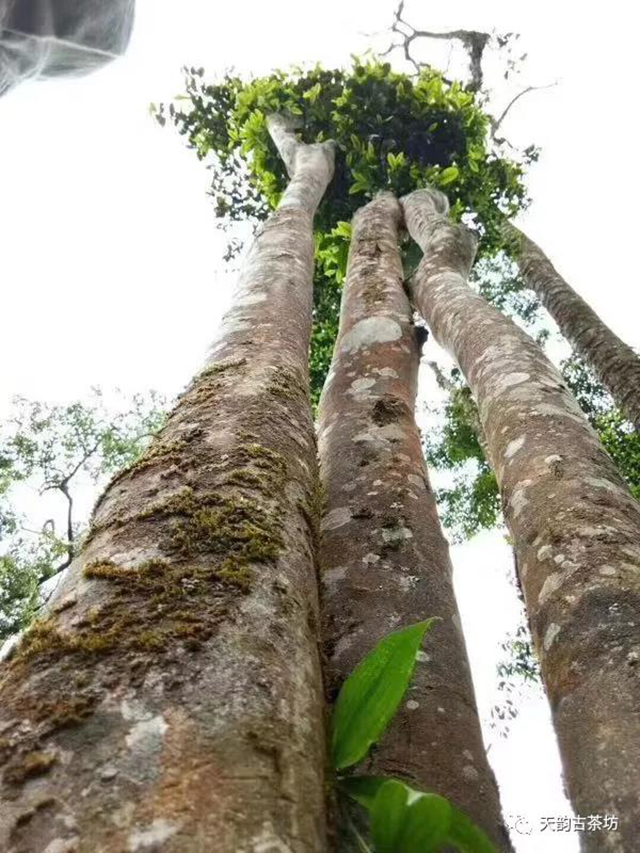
point(466, 836)
point(462, 834)
point(388, 814)
point(425, 825)
point(371, 695)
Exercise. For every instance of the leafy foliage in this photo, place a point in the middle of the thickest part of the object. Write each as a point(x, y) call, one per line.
point(617, 435)
point(63, 449)
point(403, 820)
point(372, 693)
point(392, 131)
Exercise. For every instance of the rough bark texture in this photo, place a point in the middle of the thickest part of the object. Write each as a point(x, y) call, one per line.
point(173, 699)
point(385, 562)
point(575, 525)
point(614, 362)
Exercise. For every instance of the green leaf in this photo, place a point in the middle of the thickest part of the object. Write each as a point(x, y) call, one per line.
point(363, 789)
point(425, 825)
point(449, 175)
point(371, 695)
point(388, 815)
point(468, 837)
point(313, 93)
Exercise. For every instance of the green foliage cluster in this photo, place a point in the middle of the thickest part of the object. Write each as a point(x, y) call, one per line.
point(618, 436)
point(392, 131)
point(472, 502)
point(402, 819)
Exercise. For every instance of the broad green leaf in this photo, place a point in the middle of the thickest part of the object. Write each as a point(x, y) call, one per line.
point(371, 695)
point(388, 815)
point(363, 789)
point(425, 825)
point(466, 836)
point(449, 175)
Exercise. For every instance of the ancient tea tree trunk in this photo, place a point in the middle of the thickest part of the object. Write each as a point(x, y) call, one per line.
point(385, 562)
point(172, 699)
point(576, 527)
point(614, 362)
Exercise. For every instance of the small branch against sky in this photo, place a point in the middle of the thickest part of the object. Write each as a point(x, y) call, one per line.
point(475, 43)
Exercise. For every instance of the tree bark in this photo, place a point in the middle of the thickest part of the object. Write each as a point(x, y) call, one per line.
point(385, 562)
point(172, 700)
point(576, 527)
point(616, 365)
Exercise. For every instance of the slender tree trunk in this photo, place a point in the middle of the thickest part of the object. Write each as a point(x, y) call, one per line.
point(173, 700)
point(385, 562)
point(576, 527)
point(614, 362)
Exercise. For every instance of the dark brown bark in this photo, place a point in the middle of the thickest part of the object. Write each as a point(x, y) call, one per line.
point(616, 365)
point(575, 525)
point(172, 699)
point(385, 562)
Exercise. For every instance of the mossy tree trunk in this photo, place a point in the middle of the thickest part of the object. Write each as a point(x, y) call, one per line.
point(384, 560)
point(575, 525)
point(616, 365)
point(173, 699)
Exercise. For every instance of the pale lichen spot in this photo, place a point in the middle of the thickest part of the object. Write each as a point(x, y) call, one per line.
point(338, 517)
point(396, 534)
point(601, 483)
point(549, 636)
point(422, 657)
point(267, 841)
point(371, 330)
point(550, 460)
point(514, 446)
point(388, 372)
point(360, 385)
point(550, 585)
point(508, 381)
point(607, 571)
point(370, 558)
point(470, 773)
point(62, 845)
point(545, 552)
point(467, 754)
point(412, 705)
point(332, 576)
point(363, 436)
point(416, 480)
point(147, 734)
point(407, 582)
point(518, 500)
point(390, 432)
point(133, 710)
point(150, 837)
point(251, 299)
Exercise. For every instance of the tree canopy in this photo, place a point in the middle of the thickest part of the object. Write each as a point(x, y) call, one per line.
point(392, 131)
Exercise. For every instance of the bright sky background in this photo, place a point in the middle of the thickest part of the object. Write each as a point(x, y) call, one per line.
point(113, 273)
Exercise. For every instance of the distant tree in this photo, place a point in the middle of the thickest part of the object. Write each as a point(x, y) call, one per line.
point(64, 449)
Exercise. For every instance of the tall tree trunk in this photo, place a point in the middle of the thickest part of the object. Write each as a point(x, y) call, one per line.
point(385, 562)
point(173, 698)
point(576, 527)
point(614, 362)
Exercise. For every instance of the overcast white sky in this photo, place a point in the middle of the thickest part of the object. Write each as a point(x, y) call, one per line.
point(112, 270)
